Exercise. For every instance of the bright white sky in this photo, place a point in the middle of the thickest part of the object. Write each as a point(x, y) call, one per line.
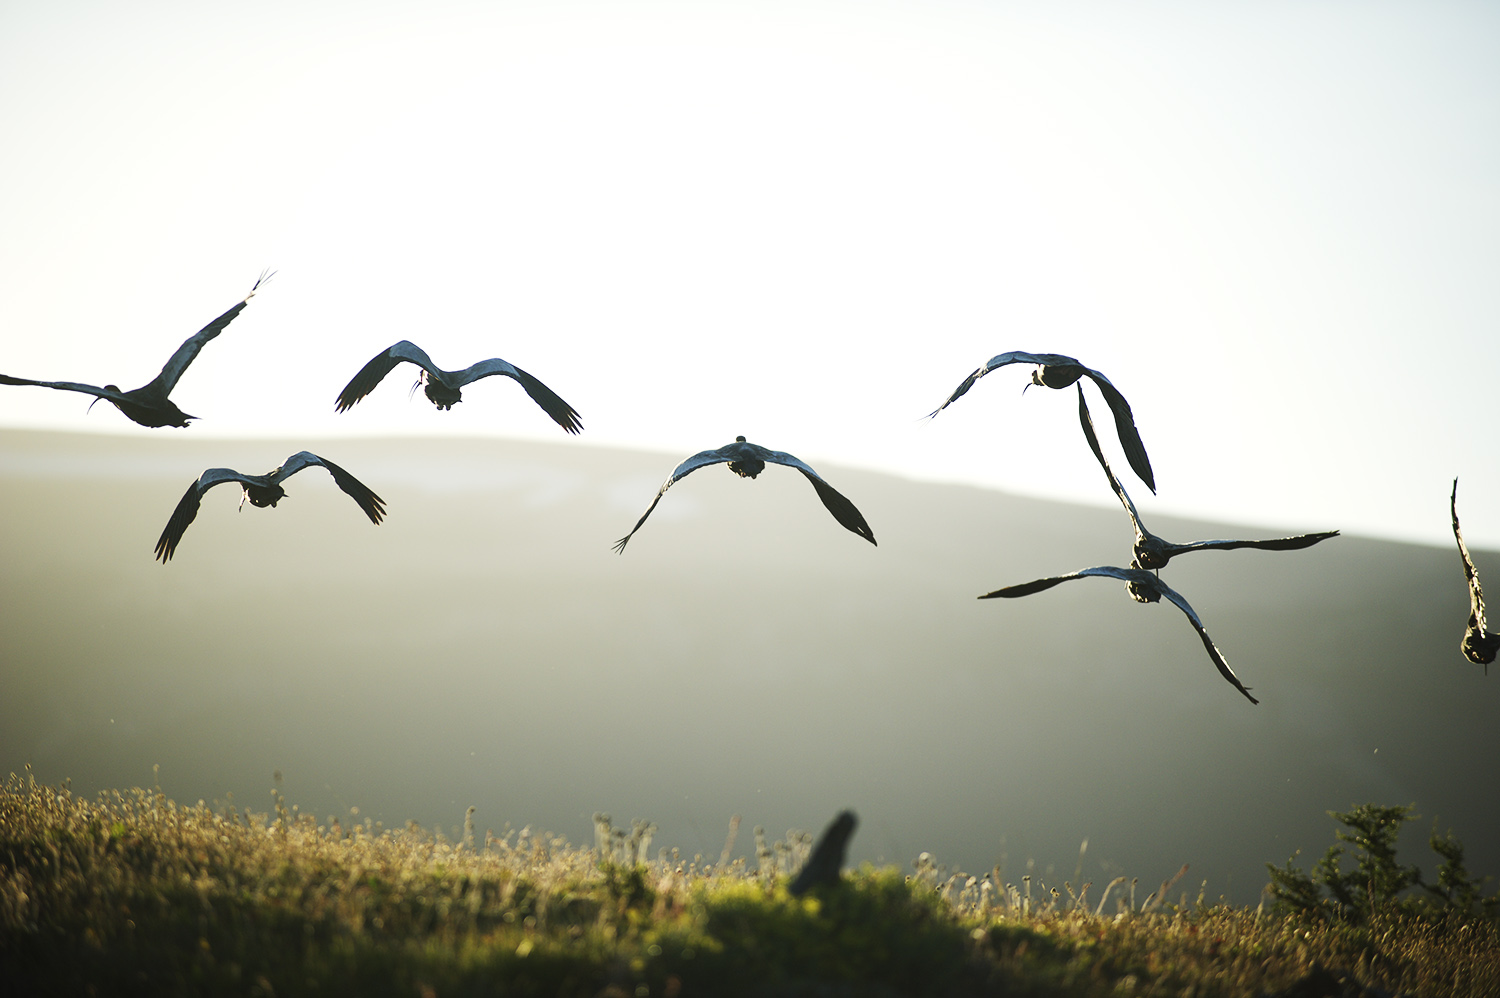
point(1275, 226)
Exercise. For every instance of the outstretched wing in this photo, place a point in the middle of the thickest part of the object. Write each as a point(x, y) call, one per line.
point(1270, 544)
point(187, 508)
point(164, 382)
point(702, 459)
point(1087, 422)
point(379, 366)
point(1208, 643)
point(1027, 588)
point(1141, 578)
point(372, 504)
point(1001, 360)
point(66, 386)
point(1130, 437)
point(842, 509)
point(562, 413)
point(1476, 595)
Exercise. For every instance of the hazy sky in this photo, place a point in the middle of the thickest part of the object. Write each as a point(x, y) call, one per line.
point(1275, 226)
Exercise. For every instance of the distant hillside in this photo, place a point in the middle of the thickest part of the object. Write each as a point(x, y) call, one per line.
point(745, 655)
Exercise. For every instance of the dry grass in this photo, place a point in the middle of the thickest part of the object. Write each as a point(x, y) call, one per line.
point(133, 893)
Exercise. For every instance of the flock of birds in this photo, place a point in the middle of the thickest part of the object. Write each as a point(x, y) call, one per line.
point(150, 406)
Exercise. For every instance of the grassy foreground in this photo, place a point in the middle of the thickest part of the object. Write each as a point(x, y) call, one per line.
point(132, 893)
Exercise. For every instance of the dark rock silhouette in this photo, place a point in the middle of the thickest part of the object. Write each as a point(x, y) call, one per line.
point(827, 858)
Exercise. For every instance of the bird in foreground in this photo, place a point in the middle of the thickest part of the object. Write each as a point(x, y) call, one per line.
point(1480, 644)
point(261, 490)
point(827, 858)
point(443, 387)
point(748, 460)
point(1154, 552)
point(1057, 371)
point(148, 404)
point(1144, 587)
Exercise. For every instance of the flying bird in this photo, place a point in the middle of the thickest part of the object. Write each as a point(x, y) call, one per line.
point(1154, 552)
point(261, 490)
point(1144, 587)
point(748, 460)
point(148, 404)
point(1057, 371)
point(443, 387)
point(1480, 644)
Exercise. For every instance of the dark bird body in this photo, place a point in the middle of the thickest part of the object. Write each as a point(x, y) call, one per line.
point(148, 405)
point(261, 490)
point(1480, 644)
point(748, 460)
point(827, 858)
point(443, 388)
point(1057, 371)
point(1144, 587)
point(1154, 552)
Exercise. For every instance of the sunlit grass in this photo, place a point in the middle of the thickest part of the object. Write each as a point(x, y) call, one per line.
point(134, 893)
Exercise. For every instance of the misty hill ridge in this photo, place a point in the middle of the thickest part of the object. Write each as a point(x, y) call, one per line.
point(746, 654)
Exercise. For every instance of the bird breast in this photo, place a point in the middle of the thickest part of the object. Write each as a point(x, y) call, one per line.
point(1056, 377)
point(260, 495)
point(747, 468)
point(441, 395)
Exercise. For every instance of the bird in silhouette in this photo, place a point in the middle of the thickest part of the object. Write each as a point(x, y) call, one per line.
point(1144, 587)
point(443, 387)
point(827, 857)
point(148, 404)
point(1154, 552)
point(1057, 371)
point(1480, 644)
point(748, 460)
point(261, 490)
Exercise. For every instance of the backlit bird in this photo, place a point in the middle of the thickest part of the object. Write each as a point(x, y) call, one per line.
point(1480, 644)
point(148, 404)
point(443, 387)
point(1144, 587)
point(1057, 371)
point(261, 490)
point(1154, 552)
point(748, 460)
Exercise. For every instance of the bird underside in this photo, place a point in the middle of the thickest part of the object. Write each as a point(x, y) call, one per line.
point(260, 496)
point(747, 468)
point(1056, 377)
point(1480, 646)
point(438, 393)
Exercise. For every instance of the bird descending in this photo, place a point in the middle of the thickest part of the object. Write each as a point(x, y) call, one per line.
point(1152, 551)
point(1144, 587)
point(1480, 644)
point(443, 387)
point(148, 404)
point(1057, 371)
point(748, 460)
point(261, 490)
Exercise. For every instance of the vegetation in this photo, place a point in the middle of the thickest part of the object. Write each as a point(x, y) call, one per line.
point(132, 893)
